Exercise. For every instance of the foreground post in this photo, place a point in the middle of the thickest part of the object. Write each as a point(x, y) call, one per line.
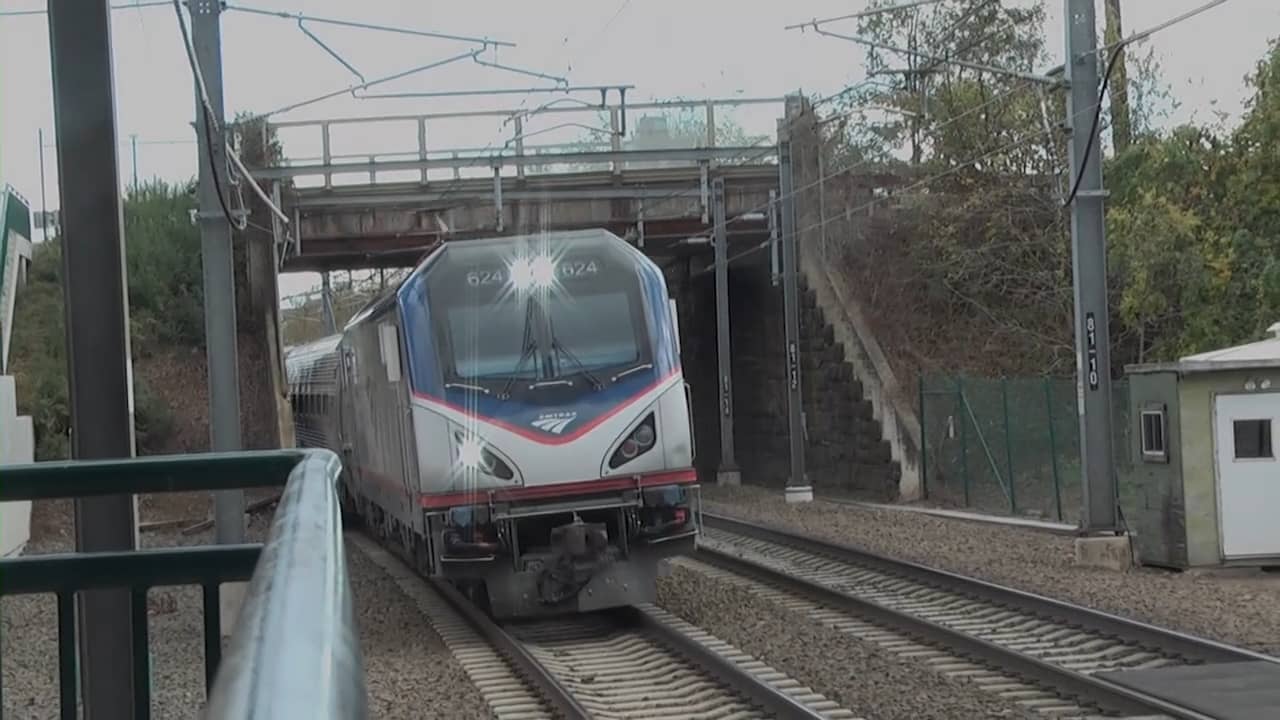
point(97, 325)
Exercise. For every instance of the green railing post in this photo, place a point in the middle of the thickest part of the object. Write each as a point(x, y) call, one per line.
point(1008, 445)
point(964, 447)
point(924, 443)
point(1053, 447)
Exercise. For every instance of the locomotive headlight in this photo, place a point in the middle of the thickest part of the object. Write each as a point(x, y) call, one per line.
point(470, 452)
point(533, 273)
point(474, 455)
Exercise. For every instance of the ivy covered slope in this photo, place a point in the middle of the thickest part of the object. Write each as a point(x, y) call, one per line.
point(166, 327)
point(969, 270)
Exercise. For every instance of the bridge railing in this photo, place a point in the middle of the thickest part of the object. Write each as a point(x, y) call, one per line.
point(294, 652)
point(517, 145)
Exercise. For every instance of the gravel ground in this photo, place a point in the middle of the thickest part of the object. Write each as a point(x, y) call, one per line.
point(409, 671)
point(855, 673)
point(1241, 608)
point(410, 674)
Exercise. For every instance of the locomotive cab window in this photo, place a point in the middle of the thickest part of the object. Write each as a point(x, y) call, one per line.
point(573, 320)
point(1154, 437)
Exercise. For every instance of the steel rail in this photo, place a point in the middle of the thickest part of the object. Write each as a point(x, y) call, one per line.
point(1176, 643)
point(1069, 683)
point(776, 703)
point(552, 690)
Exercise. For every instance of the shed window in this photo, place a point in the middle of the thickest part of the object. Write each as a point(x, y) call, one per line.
point(1153, 436)
point(1253, 439)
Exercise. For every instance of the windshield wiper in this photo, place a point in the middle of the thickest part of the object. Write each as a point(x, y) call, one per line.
point(530, 347)
point(633, 369)
point(557, 346)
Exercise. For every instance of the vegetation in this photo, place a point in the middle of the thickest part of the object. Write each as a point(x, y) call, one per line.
point(165, 304)
point(974, 273)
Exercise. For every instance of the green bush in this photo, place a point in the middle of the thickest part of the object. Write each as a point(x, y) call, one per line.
point(165, 308)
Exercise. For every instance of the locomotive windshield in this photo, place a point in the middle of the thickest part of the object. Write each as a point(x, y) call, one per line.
point(589, 330)
point(572, 315)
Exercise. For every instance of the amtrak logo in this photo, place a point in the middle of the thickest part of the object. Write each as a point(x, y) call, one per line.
point(554, 422)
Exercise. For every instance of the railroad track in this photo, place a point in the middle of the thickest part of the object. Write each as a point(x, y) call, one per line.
point(1042, 654)
point(638, 662)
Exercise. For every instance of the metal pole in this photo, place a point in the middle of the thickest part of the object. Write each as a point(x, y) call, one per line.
point(326, 301)
point(728, 474)
point(1008, 445)
point(1053, 448)
point(798, 488)
point(924, 441)
point(962, 404)
point(44, 204)
point(133, 142)
point(95, 287)
point(219, 271)
point(1089, 266)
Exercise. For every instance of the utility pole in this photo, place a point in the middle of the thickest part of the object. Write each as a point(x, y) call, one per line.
point(133, 142)
point(219, 271)
point(95, 287)
point(1089, 274)
point(44, 204)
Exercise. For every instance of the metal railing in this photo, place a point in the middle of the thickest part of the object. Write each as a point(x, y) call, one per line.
point(294, 652)
point(601, 145)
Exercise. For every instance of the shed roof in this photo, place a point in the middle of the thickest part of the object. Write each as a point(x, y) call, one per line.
point(1250, 356)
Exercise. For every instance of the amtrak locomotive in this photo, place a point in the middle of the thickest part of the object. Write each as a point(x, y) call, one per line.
point(513, 417)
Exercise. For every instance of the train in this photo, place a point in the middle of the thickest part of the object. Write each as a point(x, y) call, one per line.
point(512, 417)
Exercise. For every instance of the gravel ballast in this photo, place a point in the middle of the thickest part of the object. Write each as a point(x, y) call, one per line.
point(852, 672)
point(409, 672)
point(1237, 608)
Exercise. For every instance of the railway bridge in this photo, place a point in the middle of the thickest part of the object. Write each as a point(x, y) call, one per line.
point(713, 211)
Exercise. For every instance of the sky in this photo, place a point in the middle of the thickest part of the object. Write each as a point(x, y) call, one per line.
point(665, 48)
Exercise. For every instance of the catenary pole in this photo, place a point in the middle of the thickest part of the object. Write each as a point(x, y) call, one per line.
point(1089, 273)
point(219, 275)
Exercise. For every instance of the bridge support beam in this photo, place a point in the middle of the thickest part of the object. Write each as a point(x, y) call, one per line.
point(798, 488)
point(97, 325)
point(728, 473)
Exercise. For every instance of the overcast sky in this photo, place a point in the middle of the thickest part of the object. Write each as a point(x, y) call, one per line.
point(666, 48)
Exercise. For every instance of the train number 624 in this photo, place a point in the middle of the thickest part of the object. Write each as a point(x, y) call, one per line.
point(578, 268)
point(480, 278)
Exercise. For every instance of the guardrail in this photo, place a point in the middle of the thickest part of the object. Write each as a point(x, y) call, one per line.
point(295, 652)
point(512, 151)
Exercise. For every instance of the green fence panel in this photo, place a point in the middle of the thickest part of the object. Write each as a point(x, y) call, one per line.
point(1011, 445)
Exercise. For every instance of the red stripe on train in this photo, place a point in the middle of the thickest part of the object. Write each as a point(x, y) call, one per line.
point(677, 477)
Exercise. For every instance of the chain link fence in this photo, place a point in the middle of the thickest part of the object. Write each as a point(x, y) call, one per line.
point(1010, 445)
